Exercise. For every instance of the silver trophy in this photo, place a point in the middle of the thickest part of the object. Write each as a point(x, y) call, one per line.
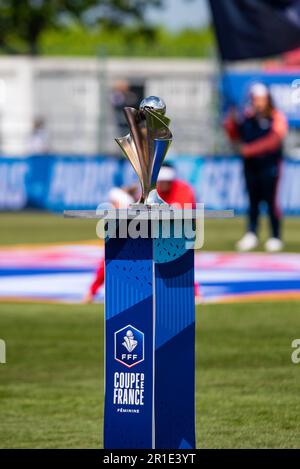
point(147, 144)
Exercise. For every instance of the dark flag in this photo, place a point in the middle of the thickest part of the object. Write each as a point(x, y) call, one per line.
point(248, 29)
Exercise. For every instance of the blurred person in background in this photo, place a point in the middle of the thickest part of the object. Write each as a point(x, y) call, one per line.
point(173, 190)
point(259, 132)
point(170, 188)
point(176, 192)
point(39, 138)
point(122, 95)
point(119, 198)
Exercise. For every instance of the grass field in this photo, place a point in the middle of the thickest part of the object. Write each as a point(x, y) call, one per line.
point(51, 389)
point(220, 235)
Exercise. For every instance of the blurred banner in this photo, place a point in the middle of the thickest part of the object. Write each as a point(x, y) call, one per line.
point(248, 29)
point(284, 87)
point(56, 183)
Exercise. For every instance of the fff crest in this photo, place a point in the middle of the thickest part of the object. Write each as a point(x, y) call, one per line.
point(129, 346)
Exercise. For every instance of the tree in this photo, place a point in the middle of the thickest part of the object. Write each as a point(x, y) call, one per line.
point(23, 21)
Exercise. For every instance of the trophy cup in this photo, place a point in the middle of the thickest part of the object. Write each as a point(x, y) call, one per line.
point(147, 144)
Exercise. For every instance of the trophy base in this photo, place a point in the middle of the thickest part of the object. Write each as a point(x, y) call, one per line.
point(149, 299)
point(153, 199)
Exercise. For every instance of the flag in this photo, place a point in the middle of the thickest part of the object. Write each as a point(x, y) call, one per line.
point(256, 28)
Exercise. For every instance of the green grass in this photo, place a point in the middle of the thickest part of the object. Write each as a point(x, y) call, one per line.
point(41, 227)
point(246, 383)
point(51, 389)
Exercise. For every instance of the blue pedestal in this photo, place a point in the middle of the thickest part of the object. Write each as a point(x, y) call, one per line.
point(150, 344)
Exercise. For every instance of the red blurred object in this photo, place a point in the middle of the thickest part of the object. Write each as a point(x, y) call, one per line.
point(180, 192)
point(290, 61)
point(99, 278)
point(292, 58)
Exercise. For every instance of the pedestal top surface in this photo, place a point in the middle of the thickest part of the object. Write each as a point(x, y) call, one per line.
point(152, 213)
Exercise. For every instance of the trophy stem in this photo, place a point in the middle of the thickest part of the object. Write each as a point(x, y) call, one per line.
point(153, 198)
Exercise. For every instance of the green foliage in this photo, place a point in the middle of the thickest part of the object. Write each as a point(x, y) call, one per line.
point(83, 27)
point(130, 42)
point(22, 22)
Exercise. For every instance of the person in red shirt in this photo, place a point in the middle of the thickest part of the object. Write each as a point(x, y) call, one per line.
point(173, 190)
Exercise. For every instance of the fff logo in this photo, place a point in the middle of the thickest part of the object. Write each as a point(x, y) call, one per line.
point(129, 346)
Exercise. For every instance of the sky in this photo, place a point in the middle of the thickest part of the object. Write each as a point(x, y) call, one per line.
point(180, 14)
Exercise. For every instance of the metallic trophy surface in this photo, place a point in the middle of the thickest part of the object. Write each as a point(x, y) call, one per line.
point(147, 144)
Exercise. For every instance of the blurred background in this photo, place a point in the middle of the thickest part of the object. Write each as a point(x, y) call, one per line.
point(67, 69)
point(66, 73)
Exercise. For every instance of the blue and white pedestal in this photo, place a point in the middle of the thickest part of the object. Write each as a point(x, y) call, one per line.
point(149, 342)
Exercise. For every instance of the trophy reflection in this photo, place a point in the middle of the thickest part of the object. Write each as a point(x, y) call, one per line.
point(147, 144)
